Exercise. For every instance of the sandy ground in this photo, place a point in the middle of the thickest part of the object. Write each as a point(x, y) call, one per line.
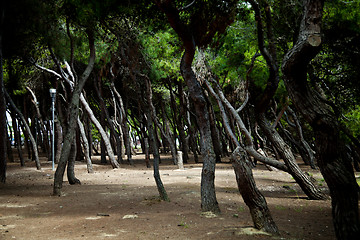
point(123, 204)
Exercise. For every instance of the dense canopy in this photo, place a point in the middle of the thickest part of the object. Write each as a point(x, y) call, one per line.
point(208, 78)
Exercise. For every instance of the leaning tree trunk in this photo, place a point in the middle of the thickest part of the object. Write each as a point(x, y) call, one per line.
point(42, 125)
point(332, 158)
point(85, 143)
point(103, 134)
point(253, 198)
point(110, 123)
point(32, 139)
point(304, 181)
point(305, 150)
point(73, 116)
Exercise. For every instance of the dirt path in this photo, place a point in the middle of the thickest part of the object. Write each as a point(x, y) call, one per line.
point(123, 204)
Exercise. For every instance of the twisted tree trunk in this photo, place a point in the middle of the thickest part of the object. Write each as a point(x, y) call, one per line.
point(73, 116)
point(332, 158)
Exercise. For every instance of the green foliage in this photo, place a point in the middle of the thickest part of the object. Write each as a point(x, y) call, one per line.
point(337, 64)
point(352, 120)
point(232, 53)
point(162, 50)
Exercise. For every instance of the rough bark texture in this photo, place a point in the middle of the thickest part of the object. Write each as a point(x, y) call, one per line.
point(208, 196)
point(331, 154)
point(59, 140)
point(253, 198)
point(304, 181)
point(102, 132)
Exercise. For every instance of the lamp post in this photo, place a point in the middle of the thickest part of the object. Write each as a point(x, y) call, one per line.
point(53, 96)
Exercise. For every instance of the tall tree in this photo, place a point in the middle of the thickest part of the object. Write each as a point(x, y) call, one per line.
point(73, 116)
point(331, 154)
point(3, 129)
point(196, 24)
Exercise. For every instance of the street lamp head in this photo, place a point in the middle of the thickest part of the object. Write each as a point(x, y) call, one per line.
point(52, 92)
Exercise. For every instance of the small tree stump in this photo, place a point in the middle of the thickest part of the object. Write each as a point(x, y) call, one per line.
point(180, 160)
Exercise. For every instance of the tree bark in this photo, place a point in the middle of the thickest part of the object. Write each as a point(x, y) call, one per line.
point(59, 140)
point(17, 139)
point(253, 198)
point(39, 116)
point(33, 142)
point(151, 118)
point(304, 181)
point(104, 135)
point(110, 124)
point(73, 116)
point(305, 150)
point(331, 154)
point(85, 143)
point(180, 123)
point(71, 165)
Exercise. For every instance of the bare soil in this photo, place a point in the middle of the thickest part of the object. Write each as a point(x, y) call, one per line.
point(123, 204)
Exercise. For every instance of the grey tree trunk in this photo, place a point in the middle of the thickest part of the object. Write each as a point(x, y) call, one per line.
point(151, 119)
point(208, 195)
point(253, 198)
point(59, 140)
point(102, 132)
point(73, 116)
point(32, 139)
point(85, 143)
point(304, 181)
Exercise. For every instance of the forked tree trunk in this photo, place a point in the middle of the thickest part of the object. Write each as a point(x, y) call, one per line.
point(332, 158)
point(73, 116)
point(253, 198)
